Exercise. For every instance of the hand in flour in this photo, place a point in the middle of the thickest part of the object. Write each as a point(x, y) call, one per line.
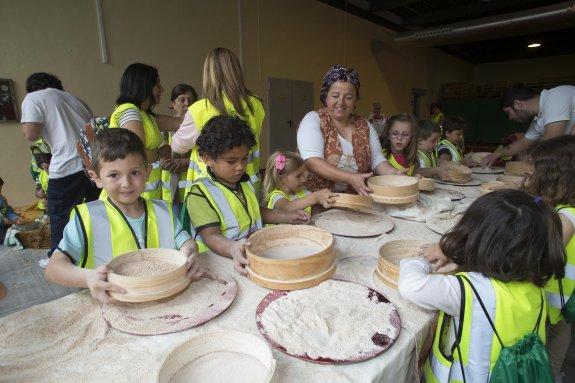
point(97, 282)
point(190, 250)
point(434, 255)
point(238, 253)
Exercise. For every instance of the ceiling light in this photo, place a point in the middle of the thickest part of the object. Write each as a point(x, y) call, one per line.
point(534, 45)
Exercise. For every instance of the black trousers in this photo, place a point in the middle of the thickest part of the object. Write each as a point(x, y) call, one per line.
point(63, 194)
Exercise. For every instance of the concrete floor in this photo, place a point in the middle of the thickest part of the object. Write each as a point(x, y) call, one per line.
point(24, 280)
point(27, 287)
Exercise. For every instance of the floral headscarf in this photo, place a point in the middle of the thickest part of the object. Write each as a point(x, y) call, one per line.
point(338, 73)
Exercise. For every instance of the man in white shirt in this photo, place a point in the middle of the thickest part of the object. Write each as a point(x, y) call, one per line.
point(552, 114)
point(57, 116)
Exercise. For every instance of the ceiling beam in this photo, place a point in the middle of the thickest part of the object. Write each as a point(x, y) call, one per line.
point(366, 15)
point(387, 4)
point(468, 10)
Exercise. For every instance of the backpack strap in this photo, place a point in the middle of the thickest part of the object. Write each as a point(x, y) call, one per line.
point(458, 333)
point(561, 280)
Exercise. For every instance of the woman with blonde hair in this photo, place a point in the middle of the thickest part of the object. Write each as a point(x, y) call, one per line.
point(225, 93)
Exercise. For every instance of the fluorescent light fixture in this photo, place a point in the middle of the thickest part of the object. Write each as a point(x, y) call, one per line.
point(534, 45)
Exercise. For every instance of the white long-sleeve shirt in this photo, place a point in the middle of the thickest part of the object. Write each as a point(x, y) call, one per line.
point(430, 291)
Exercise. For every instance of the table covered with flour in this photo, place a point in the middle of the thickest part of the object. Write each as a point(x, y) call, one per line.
point(67, 340)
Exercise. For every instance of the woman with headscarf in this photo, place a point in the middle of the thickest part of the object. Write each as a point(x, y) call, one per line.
point(340, 149)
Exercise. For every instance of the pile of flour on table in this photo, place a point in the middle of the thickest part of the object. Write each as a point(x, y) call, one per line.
point(335, 320)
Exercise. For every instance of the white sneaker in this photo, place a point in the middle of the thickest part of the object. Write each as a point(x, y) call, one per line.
point(43, 263)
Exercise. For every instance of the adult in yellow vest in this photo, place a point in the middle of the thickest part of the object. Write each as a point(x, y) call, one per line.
point(225, 94)
point(140, 91)
point(437, 115)
point(175, 169)
point(508, 275)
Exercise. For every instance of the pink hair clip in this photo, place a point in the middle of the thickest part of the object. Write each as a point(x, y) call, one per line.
point(280, 162)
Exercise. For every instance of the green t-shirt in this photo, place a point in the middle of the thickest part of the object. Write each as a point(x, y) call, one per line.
point(202, 213)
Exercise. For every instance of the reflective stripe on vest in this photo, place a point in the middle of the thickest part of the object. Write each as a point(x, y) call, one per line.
point(235, 222)
point(107, 233)
point(290, 197)
point(393, 162)
point(426, 159)
point(454, 151)
point(514, 308)
point(552, 287)
point(202, 111)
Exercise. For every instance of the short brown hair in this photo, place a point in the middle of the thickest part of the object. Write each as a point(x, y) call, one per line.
point(508, 235)
point(554, 171)
point(113, 143)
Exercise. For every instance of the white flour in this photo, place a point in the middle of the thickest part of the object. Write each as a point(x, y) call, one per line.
point(222, 367)
point(290, 251)
point(334, 320)
point(145, 268)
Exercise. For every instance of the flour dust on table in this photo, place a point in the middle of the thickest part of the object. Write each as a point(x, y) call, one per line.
point(337, 321)
point(199, 302)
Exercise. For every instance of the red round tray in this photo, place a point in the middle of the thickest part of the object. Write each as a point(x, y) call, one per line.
point(381, 340)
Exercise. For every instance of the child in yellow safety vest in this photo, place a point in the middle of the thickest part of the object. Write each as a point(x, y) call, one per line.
point(428, 134)
point(222, 207)
point(450, 147)
point(508, 243)
point(283, 184)
point(399, 142)
point(551, 175)
point(103, 229)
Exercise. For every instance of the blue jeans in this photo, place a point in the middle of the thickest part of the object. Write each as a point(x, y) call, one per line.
point(63, 194)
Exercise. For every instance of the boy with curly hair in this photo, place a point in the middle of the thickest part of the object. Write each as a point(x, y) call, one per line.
point(222, 207)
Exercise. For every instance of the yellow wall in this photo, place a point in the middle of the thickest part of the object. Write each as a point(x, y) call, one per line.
point(524, 70)
point(297, 39)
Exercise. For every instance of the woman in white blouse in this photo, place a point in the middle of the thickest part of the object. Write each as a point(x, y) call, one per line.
point(341, 150)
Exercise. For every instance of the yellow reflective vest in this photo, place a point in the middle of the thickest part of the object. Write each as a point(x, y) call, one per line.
point(152, 140)
point(302, 192)
point(513, 306)
point(552, 287)
point(393, 162)
point(454, 150)
point(202, 111)
point(426, 160)
point(237, 220)
point(107, 233)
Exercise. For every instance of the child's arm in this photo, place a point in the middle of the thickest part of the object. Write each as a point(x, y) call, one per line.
point(60, 270)
point(190, 250)
point(429, 291)
point(213, 238)
point(433, 173)
point(323, 197)
point(284, 216)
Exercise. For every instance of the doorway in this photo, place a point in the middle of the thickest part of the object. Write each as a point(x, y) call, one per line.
point(289, 101)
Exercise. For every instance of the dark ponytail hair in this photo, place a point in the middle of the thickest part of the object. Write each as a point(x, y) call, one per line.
point(137, 85)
